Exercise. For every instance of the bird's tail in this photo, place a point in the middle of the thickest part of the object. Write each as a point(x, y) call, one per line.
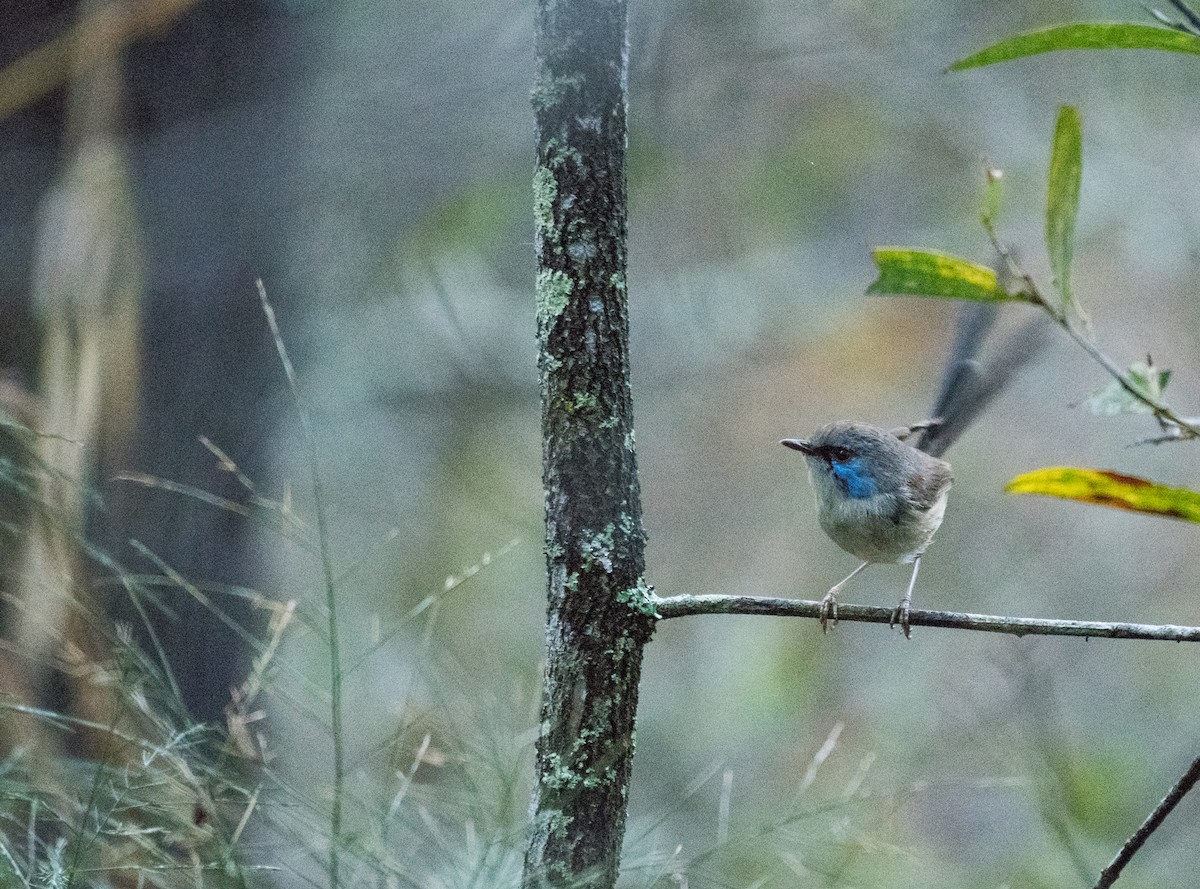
point(969, 384)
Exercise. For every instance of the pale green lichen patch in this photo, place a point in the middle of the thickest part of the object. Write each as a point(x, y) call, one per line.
point(597, 548)
point(554, 290)
point(550, 90)
point(557, 823)
point(583, 402)
point(640, 598)
point(545, 190)
point(623, 647)
point(557, 153)
point(560, 775)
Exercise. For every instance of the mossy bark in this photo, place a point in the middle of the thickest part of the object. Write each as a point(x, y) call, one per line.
point(600, 614)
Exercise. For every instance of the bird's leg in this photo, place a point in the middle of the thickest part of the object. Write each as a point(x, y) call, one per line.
point(900, 615)
point(829, 601)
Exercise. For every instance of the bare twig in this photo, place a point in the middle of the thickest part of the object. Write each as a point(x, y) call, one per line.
point(687, 605)
point(1109, 875)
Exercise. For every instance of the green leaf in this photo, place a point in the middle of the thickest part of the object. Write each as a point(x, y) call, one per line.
point(1062, 198)
point(1092, 35)
point(1103, 487)
point(1114, 399)
point(907, 272)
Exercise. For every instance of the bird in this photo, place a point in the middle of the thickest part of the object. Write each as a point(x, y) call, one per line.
point(881, 498)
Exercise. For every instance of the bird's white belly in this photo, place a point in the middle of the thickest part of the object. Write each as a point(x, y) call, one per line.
point(875, 530)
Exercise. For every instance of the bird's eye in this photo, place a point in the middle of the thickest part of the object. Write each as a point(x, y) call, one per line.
point(839, 454)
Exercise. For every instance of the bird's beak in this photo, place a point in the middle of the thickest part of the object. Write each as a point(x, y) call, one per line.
point(797, 444)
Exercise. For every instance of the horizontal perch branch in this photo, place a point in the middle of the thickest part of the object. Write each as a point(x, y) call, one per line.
point(685, 605)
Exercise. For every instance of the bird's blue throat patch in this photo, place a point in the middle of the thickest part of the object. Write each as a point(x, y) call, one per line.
point(854, 478)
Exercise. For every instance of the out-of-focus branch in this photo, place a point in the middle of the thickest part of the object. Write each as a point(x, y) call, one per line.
point(98, 35)
point(86, 295)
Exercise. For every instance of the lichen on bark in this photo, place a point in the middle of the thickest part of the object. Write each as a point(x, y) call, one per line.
point(599, 613)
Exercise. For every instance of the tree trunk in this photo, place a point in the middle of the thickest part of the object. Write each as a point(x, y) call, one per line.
point(600, 612)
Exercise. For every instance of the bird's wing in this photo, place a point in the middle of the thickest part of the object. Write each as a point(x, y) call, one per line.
point(928, 485)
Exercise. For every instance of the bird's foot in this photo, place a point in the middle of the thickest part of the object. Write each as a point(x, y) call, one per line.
point(900, 616)
point(829, 610)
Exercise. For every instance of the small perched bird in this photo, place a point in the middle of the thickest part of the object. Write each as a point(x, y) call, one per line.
point(882, 499)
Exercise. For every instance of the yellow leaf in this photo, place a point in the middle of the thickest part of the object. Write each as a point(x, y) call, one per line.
point(1104, 487)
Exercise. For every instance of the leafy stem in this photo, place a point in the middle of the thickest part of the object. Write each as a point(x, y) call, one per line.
point(1174, 426)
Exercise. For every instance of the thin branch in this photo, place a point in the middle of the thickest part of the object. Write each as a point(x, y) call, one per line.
point(687, 605)
point(1109, 875)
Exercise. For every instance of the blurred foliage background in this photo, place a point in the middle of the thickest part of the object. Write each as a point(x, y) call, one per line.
point(371, 162)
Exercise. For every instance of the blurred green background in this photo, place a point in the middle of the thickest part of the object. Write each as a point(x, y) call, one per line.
point(772, 144)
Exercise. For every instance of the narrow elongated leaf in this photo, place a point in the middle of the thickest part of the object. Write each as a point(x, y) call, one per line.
point(1092, 35)
point(1104, 487)
point(907, 272)
point(1062, 198)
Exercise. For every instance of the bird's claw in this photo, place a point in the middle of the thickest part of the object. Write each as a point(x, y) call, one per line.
point(828, 616)
point(901, 616)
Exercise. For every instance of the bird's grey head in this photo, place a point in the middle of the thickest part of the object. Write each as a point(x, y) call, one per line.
point(861, 460)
